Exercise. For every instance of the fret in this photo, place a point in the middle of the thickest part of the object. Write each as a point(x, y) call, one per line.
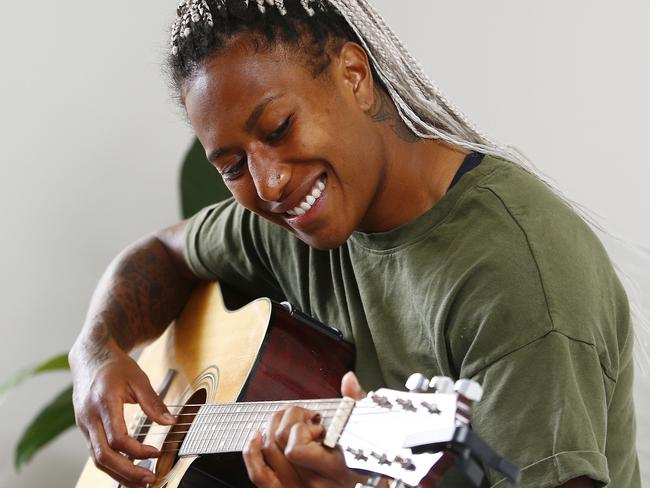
point(245, 427)
point(222, 426)
point(212, 431)
point(218, 444)
point(239, 427)
point(227, 427)
point(203, 425)
point(231, 426)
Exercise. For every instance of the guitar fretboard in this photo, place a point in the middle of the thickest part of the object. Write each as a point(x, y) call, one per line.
point(219, 428)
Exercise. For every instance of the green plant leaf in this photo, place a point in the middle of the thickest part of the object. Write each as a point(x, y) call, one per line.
point(201, 184)
point(53, 420)
point(59, 362)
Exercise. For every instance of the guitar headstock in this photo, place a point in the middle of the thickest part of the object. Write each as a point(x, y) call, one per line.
point(384, 427)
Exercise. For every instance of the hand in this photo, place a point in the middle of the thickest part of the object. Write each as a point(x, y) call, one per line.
point(290, 455)
point(101, 388)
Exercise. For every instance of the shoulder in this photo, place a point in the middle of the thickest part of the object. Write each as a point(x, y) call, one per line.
point(536, 267)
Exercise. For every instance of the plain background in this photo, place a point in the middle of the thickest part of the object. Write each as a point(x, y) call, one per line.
point(91, 144)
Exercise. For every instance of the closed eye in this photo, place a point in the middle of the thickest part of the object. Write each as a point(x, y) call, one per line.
point(277, 134)
point(234, 171)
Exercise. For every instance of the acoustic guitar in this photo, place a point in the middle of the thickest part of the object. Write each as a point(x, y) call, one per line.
point(224, 373)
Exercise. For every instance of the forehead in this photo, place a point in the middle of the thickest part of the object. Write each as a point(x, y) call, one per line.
point(238, 77)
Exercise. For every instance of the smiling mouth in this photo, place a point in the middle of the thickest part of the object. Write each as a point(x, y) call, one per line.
point(310, 199)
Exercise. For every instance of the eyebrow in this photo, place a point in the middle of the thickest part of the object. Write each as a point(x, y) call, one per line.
point(250, 122)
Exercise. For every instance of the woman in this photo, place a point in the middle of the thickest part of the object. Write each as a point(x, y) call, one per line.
point(365, 198)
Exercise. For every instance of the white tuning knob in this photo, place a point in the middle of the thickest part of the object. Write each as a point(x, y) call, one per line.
point(442, 384)
point(469, 389)
point(397, 484)
point(372, 482)
point(417, 383)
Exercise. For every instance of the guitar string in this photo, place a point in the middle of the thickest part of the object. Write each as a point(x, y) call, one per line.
point(245, 411)
point(264, 402)
point(242, 412)
point(369, 444)
point(234, 421)
point(201, 435)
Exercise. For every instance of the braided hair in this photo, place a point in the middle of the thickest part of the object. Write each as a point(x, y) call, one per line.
point(204, 27)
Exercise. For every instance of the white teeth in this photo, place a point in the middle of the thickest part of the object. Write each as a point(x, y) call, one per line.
point(304, 206)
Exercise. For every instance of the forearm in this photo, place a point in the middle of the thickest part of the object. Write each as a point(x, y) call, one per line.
point(141, 292)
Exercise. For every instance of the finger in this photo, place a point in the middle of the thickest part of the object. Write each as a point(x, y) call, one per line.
point(258, 471)
point(151, 403)
point(271, 428)
point(118, 437)
point(291, 416)
point(121, 480)
point(350, 386)
point(314, 462)
point(273, 453)
point(115, 464)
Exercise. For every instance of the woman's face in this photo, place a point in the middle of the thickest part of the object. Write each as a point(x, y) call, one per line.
point(297, 150)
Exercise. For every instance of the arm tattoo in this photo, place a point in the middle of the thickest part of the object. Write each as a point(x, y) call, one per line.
point(146, 294)
point(383, 110)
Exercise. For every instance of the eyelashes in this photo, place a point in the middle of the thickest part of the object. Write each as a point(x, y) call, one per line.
point(278, 133)
point(235, 170)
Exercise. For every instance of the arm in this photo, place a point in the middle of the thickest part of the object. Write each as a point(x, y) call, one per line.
point(141, 292)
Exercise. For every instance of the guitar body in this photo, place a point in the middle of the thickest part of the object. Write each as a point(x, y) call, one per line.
point(211, 354)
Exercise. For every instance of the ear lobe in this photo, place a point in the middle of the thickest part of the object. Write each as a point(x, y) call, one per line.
point(357, 74)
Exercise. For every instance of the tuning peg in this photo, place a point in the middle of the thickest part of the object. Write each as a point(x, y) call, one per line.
point(417, 383)
point(372, 482)
point(469, 389)
point(397, 484)
point(442, 384)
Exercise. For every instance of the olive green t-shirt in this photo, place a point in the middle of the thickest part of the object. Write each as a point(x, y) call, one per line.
point(500, 282)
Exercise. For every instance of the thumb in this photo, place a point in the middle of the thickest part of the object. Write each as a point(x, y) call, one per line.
point(350, 386)
point(152, 405)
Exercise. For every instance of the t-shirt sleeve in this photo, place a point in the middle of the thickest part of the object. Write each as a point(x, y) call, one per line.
point(545, 409)
point(228, 243)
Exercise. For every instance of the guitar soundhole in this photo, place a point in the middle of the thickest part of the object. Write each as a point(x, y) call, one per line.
point(177, 433)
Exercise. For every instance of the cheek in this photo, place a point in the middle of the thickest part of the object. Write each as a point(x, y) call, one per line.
point(244, 191)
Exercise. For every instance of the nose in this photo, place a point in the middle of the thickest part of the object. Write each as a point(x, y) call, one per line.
point(269, 174)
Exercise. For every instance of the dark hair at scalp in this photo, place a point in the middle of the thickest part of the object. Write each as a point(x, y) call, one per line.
point(311, 36)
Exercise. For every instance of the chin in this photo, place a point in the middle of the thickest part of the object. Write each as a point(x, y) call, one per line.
point(323, 242)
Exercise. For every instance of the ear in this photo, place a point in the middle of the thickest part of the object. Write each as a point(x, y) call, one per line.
point(356, 74)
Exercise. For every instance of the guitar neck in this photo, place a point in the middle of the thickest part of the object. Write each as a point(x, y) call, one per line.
point(221, 428)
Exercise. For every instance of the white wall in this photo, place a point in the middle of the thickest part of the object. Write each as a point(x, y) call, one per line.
point(90, 145)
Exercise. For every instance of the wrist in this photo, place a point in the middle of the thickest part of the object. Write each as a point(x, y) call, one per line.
point(89, 352)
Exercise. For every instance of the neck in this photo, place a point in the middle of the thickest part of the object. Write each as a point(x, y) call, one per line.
point(218, 428)
point(418, 173)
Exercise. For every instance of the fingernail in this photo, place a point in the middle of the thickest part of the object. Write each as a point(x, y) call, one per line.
point(168, 417)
